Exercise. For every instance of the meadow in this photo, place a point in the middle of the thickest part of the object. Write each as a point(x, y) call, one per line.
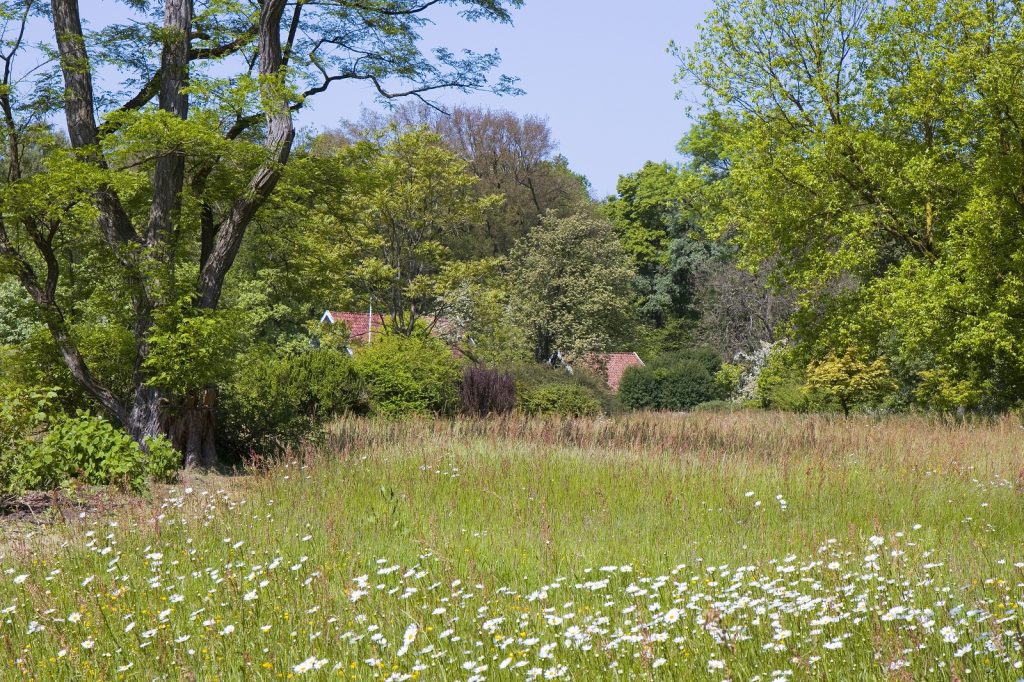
point(739, 546)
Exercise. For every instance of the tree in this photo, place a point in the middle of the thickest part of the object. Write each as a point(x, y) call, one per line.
point(415, 204)
point(511, 155)
point(652, 217)
point(156, 193)
point(739, 311)
point(885, 196)
point(569, 285)
point(849, 379)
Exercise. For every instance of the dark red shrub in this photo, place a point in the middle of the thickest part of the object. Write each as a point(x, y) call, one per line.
point(487, 391)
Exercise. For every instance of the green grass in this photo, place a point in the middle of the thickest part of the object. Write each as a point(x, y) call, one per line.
point(479, 517)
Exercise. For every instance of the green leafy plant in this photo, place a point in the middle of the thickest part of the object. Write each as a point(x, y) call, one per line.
point(727, 378)
point(531, 376)
point(849, 379)
point(674, 381)
point(24, 417)
point(273, 402)
point(780, 384)
point(409, 375)
point(565, 399)
point(87, 448)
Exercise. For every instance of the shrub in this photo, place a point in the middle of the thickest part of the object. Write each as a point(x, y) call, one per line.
point(272, 402)
point(88, 448)
point(687, 385)
point(707, 358)
point(640, 389)
point(42, 448)
point(24, 417)
point(564, 399)
point(780, 384)
point(729, 378)
point(530, 376)
point(849, 379)
point(409, 375)
point(162, 461)
point(487, 391)
point(676, 381)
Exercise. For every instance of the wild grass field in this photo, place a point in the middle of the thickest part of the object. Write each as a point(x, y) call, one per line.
point(745, 546)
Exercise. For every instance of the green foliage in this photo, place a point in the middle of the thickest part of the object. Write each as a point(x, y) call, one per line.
point(192, 348)
point(887, 197)
point(564, 399)
point(707, 358)
point(87, 448)
point(16, 323)
point(679, 382)
point(654, 220)
point(780, 384)
point(476, 315)
point(273, 402)
point(728, 377)
point(570, 287)
point(409, 375)
point(24, 417)
point(531, 376)
point(414, 201)
point(640, 389)
point(42, 448)
point(162, 461)
point(849, 379)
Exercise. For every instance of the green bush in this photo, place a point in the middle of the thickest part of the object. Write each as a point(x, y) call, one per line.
point(531, 376)
point(162, 461)
point(707, 358)
point(87, 448)
point(780, 384)
point(24, 418)
point(728, 379)
point(687, 385)
point(409, 375)
point(41, 448)
point(272, 402)
point(640, 388)
point(564, 399)
point(675, 381)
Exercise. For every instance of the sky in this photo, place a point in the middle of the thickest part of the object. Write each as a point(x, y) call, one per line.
point(598, 70)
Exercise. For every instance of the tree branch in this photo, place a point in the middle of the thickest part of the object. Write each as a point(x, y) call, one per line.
point(280, 135)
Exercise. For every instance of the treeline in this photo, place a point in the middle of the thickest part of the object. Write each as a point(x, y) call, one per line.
point(843, 235)
point(866, 157)
point(463, 231)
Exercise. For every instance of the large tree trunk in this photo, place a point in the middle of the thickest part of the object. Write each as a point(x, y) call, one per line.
point(187, 422)
point(190, 426)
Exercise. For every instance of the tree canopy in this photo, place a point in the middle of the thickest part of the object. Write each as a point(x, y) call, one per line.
point(869, 154)
point(165, 168)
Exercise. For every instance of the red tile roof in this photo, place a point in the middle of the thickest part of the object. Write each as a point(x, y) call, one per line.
point(357, 323)
point(616, 365)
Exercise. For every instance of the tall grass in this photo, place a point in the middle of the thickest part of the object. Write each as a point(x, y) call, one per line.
point(704, 546)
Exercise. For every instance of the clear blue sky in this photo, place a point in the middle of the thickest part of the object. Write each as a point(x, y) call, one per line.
point(596, 69)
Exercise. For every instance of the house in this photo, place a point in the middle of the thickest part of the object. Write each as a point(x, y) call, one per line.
point(616, 365)
point(364, 326)
point(611, 365)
